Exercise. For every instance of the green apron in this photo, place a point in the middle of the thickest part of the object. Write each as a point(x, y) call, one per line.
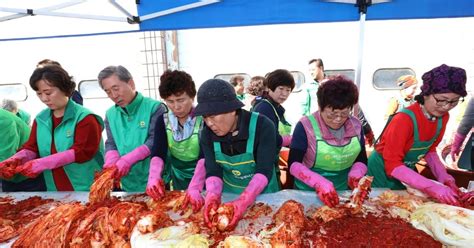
point(284, 128)
point(238, 170)
point(129, 129)
point(376, 165)
point(81, 175)
point(332, 162)
point(183, 156)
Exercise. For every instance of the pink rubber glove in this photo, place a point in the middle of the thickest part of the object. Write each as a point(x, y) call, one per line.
point(286, 140)
point(357, 171)
point(214, 186)
point(437, 191)
point(124, 164)
point(34, 167)
point(439, 171)
point(456, 146)
point(111, 157)
point(155, 188)
point(467, 199)
point(247, 198)
point(8, 166)
point(193, 193)
point(324, 188)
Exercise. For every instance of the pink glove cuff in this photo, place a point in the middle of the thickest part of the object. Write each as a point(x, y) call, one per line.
point(137, 154)
point(214, 185)
point(358, 170)
point(457, 143)
point(286, 140)
point(459, 139)
point(253, 189)
point(437, 167)
point(111, 157)
point(304, 174)
point(25, 155)
point(156, 168)
point(410, 177)
point(56, 160)
point(198, 180)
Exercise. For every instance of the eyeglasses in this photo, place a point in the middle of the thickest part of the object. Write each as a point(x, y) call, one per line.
point(444, 103)
point(343, 115)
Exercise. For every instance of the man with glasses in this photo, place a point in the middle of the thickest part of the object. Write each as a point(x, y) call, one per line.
point(328, 147)
point(415, 132)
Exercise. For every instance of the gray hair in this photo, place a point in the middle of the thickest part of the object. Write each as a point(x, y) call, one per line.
point(9, 105)
point(122, 73)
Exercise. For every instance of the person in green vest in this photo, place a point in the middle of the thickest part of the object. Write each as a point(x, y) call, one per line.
point(237, 147)
point(178, 90)
point(238, 82)
point(130, 126)
point(309, 103)
point(12, 106)
point(14, 133)
point(415, 132)
point(65, 144)
point(328, 148)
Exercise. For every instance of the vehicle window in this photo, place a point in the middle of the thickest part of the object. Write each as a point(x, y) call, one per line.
point(299, 80)
point(90, 89)
point(386, 78)
point(348, 73)
point(228, 76)
point(15, 92)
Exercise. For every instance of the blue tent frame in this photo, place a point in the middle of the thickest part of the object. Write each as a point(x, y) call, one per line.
point(228, 13)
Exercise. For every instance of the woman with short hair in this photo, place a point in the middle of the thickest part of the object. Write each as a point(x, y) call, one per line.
point(328, 149)
point(65, 144)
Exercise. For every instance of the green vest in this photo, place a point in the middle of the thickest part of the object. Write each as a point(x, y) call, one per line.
point(284, 128)
point(81, 175)
point(17, 134)
point(238, 170)
point(182, 156)
point(376, 164)
point(241, 97)
point(332, 162)
point(129, 127)
point(311, 90)
point(23, 115)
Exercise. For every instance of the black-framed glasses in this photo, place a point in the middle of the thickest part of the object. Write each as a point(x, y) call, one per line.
point(343, 114)
point(444, 103)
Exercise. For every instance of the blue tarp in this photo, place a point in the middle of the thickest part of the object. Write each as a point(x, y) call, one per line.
point(227, 13)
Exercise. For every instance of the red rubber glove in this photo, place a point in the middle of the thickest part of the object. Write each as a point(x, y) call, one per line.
point(369, 138)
